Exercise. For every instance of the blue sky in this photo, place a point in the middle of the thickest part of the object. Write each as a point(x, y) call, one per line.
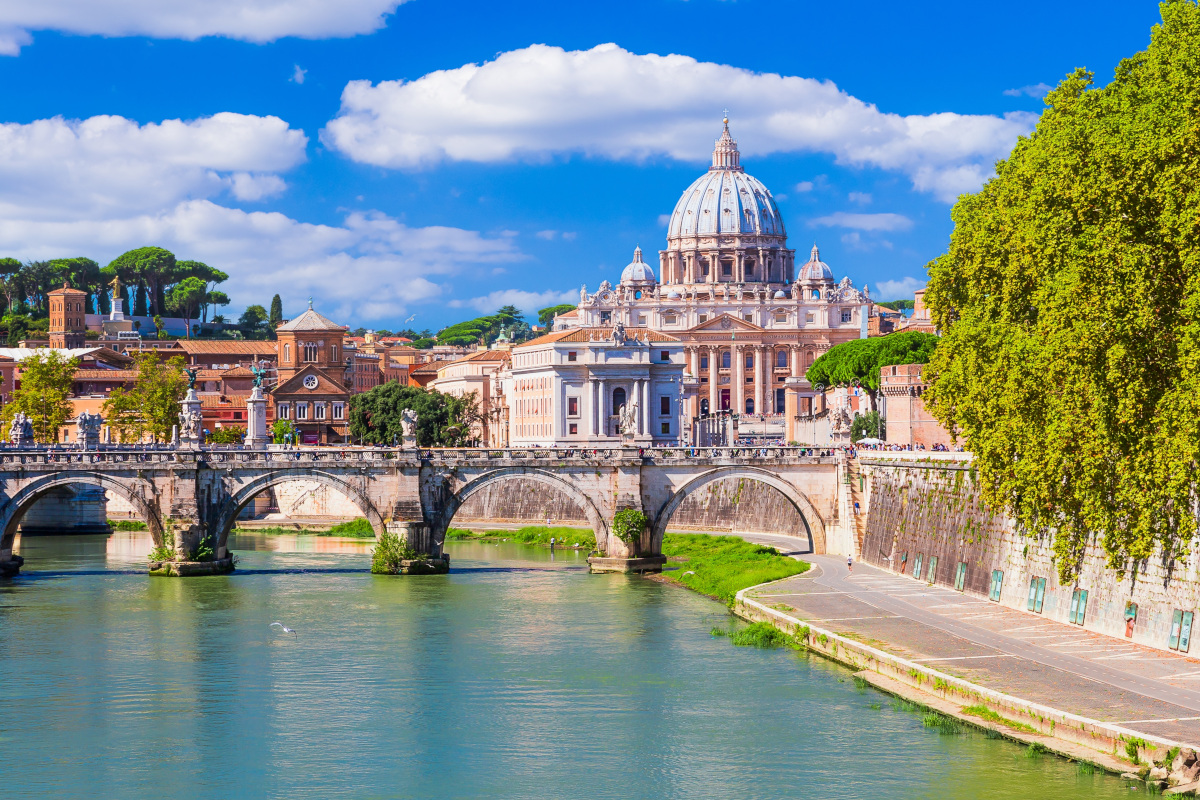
point(441, 158)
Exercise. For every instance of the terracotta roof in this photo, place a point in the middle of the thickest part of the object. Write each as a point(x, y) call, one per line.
point(223, 400)
point(598, 334)
point(66, 289)
point(429, 367)
point(233, 372)
point(572, 314)
point(311, 321)
point(227, 347)
point(108, 374)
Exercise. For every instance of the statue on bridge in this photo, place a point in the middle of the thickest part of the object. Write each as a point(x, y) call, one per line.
point(191, 421)
point(628, 419)
point(408, 423)
point(260, 371)
point(191, 374)
point(87, 430)
point(20, 432)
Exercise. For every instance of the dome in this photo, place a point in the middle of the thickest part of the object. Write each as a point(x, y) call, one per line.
point(725, 200)
point(638, 271)
point(779, 295)
point(815, 269)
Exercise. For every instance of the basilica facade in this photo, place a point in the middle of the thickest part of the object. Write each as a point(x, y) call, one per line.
point(728, 287)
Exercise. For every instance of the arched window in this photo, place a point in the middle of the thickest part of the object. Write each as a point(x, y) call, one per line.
point(816, 294)
point(725, 359)
point(618, 400)
point(749, 269)
point(704, 407)
point(310, 351)
point(781, 358)
point(749, 405)
point(749, 360)
point(287, 353)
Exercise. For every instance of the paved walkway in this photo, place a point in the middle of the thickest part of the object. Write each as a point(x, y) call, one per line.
point(1022, 654)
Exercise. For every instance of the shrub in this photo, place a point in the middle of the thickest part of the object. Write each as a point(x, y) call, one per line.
point(127, 525)
point(628, 525)
point(357, 529)
point(759, 634)
point(227, 436)
point(388, 553)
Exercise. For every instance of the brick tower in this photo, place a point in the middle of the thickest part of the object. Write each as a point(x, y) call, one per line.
point(66, 318)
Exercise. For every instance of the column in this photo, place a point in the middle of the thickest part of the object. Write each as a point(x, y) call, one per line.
point(600, 407)
point(759, 408)
point(646, 407)
point(737, 379)
point(795, 350)
point(714, 394)
point(593, 411)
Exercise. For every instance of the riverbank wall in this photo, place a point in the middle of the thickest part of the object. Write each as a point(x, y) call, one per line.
point(926, 520)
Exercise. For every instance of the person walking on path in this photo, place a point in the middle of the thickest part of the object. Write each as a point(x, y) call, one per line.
point(850, 564)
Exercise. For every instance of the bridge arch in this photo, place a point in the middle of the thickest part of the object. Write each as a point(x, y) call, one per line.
point(237, 501)
point(814, 527)
point(138, 492)
point(441, 522)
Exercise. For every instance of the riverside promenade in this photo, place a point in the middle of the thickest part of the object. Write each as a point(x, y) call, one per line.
point(1149, 692)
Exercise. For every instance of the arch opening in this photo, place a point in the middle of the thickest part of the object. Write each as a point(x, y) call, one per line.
point(740, 500)
point(517, 495)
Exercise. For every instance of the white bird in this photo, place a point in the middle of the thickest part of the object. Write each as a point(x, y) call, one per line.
point(285, 628)
point(410, 319)
point(690, 572)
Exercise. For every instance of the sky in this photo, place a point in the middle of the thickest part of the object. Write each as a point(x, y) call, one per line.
point(433, 160)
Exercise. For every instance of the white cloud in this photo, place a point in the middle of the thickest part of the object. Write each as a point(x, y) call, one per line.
point(528, 302)
point(248, 20)
point(1038, 90)
point(664, 220)
point(108, 166)
point(607, 102)
point(862, 198)
point(855, 241)
point(298, 74)
point(570, 236)
point(804, 186)
point(864, 222)
point(547, 235)
point(899, 290)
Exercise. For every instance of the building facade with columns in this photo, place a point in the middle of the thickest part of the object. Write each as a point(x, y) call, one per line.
point(574, 388)
point(750, 322)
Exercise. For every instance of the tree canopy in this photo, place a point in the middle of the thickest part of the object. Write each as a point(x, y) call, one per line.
point(547, 315)
point(151, 406)
point(45, 393)
point(1069, 301)
point(485, 330)
point(443, 420)
point(861, 360)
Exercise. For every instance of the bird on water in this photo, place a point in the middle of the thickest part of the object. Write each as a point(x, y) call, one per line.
point(285, 628)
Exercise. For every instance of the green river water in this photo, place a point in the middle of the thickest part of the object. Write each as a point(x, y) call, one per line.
point(518, 675)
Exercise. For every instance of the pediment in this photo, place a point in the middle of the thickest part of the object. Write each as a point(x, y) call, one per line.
point(726, 323)
point(295, 384)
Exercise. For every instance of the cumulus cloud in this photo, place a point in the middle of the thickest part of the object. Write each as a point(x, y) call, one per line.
point(608, 102)
point(804, 186)
point(864, 222)
point(899, 290)
point(1038, 90)
point(298, 74)
point(862, 198)
point(855, 241)
point(529, 302)
point(369, 267)
point(248, 20)
point(109, 166)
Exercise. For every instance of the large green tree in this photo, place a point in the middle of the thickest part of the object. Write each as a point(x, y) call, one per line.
point(45, 393)
point(276, 315)
point(1069, 301)
point(186, 298)
point(151, 406)
point(443, 420)
point(860, 361)
point(153, 269)
point(83, 274)
point(546, 315)
point(253, 322)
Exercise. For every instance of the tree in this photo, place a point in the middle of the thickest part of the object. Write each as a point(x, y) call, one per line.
point(151, 407)
point(18, 329)
point(81, 273)
point(10, 281)
point(442, 420)
point(153, 268)
point(869, 425)
point(281, 430)
point(859, 361)
point(898, 305)
point(547, 315)
point(276, 315)
point(186, 297)
point(160, 328)
point(215, 298)
point(1068, 300)
point(253, 322)
point(45, 393)
point(227, 436)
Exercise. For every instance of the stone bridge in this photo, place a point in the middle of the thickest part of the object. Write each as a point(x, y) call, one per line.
point(192, 497)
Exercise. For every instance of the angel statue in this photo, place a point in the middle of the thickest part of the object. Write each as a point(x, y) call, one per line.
point(191, 374)
point(259, 371)
point(408, 423)
point(628, 419)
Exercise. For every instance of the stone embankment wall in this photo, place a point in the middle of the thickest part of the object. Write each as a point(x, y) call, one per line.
point(933, 508)
point(520, 500)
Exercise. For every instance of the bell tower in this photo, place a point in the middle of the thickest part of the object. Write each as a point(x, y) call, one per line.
point(67, 325)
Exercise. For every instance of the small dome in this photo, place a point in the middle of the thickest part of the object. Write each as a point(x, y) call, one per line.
point(673, 295)
point(638, 271)
point(779, 295)
point(815, 269)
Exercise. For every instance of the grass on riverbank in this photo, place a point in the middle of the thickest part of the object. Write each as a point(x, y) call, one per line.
point(721, 566)
point(354, 529)
point(531, 534)
point(127, 525)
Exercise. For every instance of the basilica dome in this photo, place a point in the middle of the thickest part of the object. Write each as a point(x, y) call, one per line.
point(815, 269)
point(725, 200)
point(638, 271)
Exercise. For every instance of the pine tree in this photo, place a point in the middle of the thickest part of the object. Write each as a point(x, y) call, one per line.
point(276, 315)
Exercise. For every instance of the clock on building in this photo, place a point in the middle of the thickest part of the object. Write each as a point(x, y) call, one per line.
point(310, 381)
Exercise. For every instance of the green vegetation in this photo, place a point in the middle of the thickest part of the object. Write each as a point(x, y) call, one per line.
point(759, 634)
point(283, 431)
point(227, 435)
point(546, 315)
point(127, 525)
point(868, 425)
point(860, 360)
point(1068, 304)
point(152, 406)
point(164, 551)
point(44, 395)
point(983, 712)
point(485, 330)
point(628, 525)
point(947, 726)
point(898, 305)
point(388, 553)
point(532, 534)
point(443, 420)
point(354, 529)
point(1035, 750)
point(721, 566)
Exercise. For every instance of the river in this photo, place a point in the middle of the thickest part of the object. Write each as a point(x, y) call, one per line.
point(518, 675)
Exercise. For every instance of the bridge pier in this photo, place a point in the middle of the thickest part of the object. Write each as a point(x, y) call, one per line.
point(417, 536)
point(10, 565)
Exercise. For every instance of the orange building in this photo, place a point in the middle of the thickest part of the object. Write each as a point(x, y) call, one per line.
point(67, 328)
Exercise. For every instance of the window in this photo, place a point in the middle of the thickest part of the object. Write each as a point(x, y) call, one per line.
point(749, 361)
point(749, 264)
point(339, 410)
point(573, 429)
point(664, 406)
point(310, 351)
point(301, 410)
point(917, 566)
point(605, 317)
point(808, 318)
point(703, 362)
point(725, 359)
point(641, 319)
point(318, 410)
point(931, 576)
point(816, 294)
point(1078, 606)
point(748, 317)
point(960, 576)
point(287, 353)
point(669, 319)
point(997, 585)
point(704, 318)
point(1181, 630)
point(780, 400)
point(749, 405)
point(1037, 595)
point(572, 406)
point(618, 400)
point(638, 296)
point(333, 354)
point(781, 359)
point(664, 355)
point(284, 410)
point(572, 355)
point(666, 429)
point(780, 317)
point(726, 269)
